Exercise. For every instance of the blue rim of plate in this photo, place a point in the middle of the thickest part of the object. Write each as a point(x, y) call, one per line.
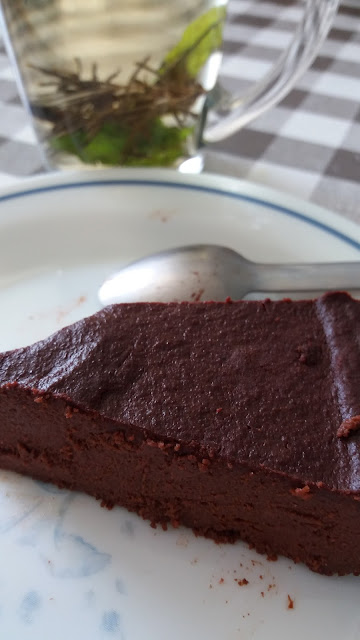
point(126, 182)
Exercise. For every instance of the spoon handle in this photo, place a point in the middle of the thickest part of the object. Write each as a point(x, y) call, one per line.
point(307, 277)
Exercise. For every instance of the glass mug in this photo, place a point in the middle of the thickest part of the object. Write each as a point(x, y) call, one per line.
point(134, 82)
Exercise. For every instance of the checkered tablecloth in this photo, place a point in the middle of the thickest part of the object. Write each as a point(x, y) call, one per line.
point(309, 145)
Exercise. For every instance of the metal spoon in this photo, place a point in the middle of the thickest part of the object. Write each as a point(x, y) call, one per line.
point(210, 272)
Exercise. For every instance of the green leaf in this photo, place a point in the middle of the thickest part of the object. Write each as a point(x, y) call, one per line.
point(200, 39)
point(113, 145)
point(107, 146)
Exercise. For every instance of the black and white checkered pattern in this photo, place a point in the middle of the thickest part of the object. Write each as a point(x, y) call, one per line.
point(309, 145)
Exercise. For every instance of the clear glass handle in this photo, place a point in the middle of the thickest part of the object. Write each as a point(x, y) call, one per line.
point(231, 113)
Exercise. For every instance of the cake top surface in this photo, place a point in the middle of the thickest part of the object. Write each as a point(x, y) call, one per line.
point(257, 382)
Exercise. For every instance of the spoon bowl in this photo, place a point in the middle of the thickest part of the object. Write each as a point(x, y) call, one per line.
point(211, 272)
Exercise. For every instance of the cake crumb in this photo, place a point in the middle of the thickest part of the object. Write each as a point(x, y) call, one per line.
point(161, 215)
point(348, 426)
point(242, 583)
point(271, 557)
point(221, 581)
point(262, 594)
point(302, 492)
point(255, 562)
point(69, 411)
point(196, 295)
point(204, 465)
point(108, 505)
point(291, 602)
point(309, 354)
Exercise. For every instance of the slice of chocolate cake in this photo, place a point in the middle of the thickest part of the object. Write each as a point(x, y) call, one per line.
point(236, 419)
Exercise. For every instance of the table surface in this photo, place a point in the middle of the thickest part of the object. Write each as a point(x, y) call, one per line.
point(309, 145)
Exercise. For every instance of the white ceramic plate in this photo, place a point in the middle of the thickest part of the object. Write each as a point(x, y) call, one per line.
point(70, 569)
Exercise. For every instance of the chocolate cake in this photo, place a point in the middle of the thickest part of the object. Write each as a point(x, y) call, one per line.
point(238, 420)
